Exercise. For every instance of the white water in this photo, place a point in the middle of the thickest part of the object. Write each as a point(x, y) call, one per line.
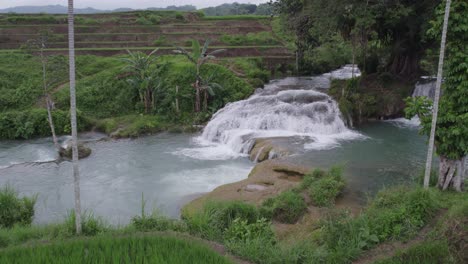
point(425, 87)
point(284, 108)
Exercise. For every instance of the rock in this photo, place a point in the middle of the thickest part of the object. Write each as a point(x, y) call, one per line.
point(265, 148)
point(83, 152)
point(276, 147)
point(266, 180)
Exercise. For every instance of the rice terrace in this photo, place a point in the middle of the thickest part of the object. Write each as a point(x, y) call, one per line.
point(282, 131)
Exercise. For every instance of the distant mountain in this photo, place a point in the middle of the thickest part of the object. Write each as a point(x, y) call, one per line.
point(59, 9)
point(50, 9)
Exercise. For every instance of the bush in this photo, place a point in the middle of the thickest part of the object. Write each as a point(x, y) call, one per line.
point(33, 123)
point(90, 225)
point(15, 210)
point(287, 207)
point(323, 187)
point(241, 230)
point(324, 191)
point(397, 213)
point(217, 217)
point(428, 252)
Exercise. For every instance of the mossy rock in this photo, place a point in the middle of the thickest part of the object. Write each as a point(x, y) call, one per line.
point(83, 152)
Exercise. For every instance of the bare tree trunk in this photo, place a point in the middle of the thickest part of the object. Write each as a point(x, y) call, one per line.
point(197, 96)
point(76, 174)
point(177, 99)
point(430, 151)
point(451, 174)
point(205, 100)
point(48, 101)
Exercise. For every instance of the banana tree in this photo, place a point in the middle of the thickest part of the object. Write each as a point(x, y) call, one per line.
point(145, 76)
point(199, 56)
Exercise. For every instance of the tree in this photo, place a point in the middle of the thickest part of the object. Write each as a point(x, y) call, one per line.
point(76, 174)
point(199, 57)
point(430, 152)
point(144, 76)
point(451, 132)
point(52, 74)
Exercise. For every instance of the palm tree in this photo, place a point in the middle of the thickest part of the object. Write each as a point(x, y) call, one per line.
point(435, 111)
point(200, 57)
point(145, 78)
point(76, 174)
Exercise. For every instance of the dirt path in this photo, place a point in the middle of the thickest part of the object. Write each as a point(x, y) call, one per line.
point(388, 249)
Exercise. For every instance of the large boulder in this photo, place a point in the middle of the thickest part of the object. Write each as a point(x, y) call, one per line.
point(276, 147)
point(83, 152)
point(266, 180)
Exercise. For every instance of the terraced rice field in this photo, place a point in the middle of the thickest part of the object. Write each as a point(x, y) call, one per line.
point(111, 34)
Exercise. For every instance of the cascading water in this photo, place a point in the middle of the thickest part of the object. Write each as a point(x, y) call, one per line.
point(284, 108)
point(425, 87)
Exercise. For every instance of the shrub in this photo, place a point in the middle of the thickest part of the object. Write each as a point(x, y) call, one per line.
point(428, 252)
point(324, 191)
point(217, 217)
point(287, 207)
point(241, 230)
point(15, 210)
point(90, 225)
point(323, 187)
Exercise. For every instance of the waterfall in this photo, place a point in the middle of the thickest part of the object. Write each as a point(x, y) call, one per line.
point(425, 87)
point(284, 108)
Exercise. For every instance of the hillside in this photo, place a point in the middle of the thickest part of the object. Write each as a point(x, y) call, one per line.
point(110, 34)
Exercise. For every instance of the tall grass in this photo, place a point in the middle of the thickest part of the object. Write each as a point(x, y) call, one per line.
point(111, 249)
point(15, 210)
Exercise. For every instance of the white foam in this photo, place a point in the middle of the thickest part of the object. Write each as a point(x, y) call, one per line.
point(414, 122)
point(285, 108)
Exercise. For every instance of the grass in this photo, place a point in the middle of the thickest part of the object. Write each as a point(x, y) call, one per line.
point(428, 252)
point(287, 207)
point(110, 249)
point(237, 17)
point(323, 187)
point(15, 210)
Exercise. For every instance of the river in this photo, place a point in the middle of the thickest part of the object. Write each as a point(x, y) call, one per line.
point(170, 169)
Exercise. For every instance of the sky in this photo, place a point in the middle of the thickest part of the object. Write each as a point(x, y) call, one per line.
point(113, 4)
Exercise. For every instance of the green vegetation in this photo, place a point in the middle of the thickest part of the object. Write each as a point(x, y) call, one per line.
point(15, 210)
point(452, 122)
point(106, 99)
point(431, 252)
point(323, 187)
point(257, 39)
point(287, 207)
point(154, 249)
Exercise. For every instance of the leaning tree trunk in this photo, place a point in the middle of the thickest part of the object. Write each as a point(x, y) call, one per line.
point(48, 102)
point(430, 151)
point(51, 122)
point(451, 174)
point(76, 174)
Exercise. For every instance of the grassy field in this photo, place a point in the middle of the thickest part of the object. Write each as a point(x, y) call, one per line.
point(108, 249)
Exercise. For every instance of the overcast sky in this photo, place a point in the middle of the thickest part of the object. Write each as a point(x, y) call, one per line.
point(113, 4)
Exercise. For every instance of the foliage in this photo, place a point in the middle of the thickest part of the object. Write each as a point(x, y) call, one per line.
point(396, 213)
point(430, 252)
point(452, 123)
point(391, 32)
point(90, 225)
point(287, 207)
point(15, 210)
point(216, 217)
point(329, 56)
point(242, 231)
point(256, 39)
point(323, 187)
point(238, 9)
point(145, 76)
point(33, 123)
point(111, 249)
